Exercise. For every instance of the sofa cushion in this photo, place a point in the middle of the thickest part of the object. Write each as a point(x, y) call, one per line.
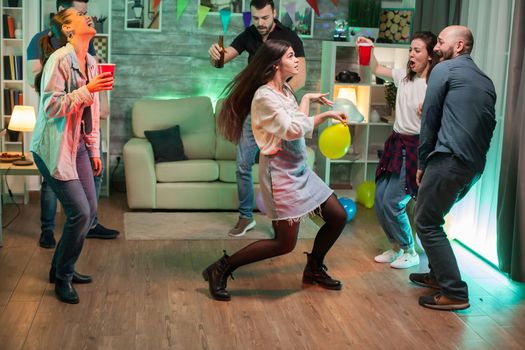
point(227, 170)
point(166, 143)
point(199, 170)
point(194, 115)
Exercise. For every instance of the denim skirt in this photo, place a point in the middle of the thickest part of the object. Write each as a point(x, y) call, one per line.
point(290, 189)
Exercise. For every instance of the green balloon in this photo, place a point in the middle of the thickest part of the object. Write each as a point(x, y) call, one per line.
point(365, 193)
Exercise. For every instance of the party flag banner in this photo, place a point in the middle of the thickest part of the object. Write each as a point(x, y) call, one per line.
point(181, 6)
point(247, 18)
point(226, 15)
point(314, 6)
point(202, 14)
point(156, 4)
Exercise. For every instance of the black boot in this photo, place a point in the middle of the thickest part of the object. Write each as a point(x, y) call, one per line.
point(65, 292)
point(315, 272)
point(217, 275)
point(47, 239)
point(77, 277)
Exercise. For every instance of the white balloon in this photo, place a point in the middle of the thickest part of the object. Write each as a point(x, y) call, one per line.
point(349, 109)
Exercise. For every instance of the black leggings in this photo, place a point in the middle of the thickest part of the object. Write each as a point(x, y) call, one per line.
point(285, 239)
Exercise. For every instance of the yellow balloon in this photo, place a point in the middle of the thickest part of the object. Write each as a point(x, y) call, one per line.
point(334, 141)
point(365, 193)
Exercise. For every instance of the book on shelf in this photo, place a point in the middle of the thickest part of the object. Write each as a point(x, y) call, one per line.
point(12, 98)
point(8, 26)
point(11, 26)
point(13, 67)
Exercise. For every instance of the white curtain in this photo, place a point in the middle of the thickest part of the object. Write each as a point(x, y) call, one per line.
point(473, 220)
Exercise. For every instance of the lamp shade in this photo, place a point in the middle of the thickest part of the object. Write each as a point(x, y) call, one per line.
point(348, 93)
point(137, 9)
point(22, 119)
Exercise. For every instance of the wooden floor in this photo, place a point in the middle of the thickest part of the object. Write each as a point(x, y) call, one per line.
point(150, 295)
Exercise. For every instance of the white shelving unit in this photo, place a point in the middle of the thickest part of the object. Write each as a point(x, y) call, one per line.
point(96, 8)
point(14, 89)
point(367, 137)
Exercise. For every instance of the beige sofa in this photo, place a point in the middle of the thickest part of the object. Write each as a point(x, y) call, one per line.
point(205, 181)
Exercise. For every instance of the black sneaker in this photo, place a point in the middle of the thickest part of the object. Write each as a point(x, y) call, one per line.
point(424, 280)
point(438, 301)
point(102, 232)
point(47, 239)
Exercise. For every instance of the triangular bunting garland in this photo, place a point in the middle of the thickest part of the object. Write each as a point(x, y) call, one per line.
point(203, 13)
point(226, 14)
point(247, 18)
point(313, 4)
point(181, 6)
point(156, 4)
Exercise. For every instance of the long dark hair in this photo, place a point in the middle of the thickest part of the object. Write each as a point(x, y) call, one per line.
point(46, 48)
point(430, 41)
point(241, 89)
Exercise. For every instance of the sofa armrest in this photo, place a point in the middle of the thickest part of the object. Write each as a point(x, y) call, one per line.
point(139, 167)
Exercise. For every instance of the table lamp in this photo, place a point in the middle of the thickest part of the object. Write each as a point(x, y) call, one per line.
point(22, 120)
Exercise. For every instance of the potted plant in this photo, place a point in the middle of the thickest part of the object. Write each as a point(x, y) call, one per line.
point(390, 96)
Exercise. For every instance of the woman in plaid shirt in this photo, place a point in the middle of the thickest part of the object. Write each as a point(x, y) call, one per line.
point(396, 172)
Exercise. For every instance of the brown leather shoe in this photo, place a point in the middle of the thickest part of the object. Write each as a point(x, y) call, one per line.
point(424, 280)
point(438, 301)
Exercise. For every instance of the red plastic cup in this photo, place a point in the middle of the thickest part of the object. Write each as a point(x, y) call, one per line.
point(365, 51)
point(107, 67)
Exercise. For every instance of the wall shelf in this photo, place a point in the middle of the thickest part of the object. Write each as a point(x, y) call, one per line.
point(367, 137)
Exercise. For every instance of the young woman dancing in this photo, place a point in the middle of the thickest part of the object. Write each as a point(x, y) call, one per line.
point(290, 189)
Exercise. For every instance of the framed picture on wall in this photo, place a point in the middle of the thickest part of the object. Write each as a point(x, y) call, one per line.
point(395, 25)
point(101, 47)
point(153, 6)
point(235, 6)
point(298, 16)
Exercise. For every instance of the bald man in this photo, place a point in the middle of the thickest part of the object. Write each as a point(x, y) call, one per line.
point(458, 121)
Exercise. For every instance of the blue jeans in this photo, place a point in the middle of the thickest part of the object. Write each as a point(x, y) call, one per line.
point(247, 150)
point(446, 180)
point(78, 197)
point(48, 202)
point(390, 204)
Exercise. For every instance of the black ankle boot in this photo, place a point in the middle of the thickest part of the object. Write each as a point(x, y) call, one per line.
point(65, 292)
point(217, 275)
point(77, 277)
point(315, 273)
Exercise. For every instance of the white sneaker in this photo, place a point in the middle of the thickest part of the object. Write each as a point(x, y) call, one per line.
point(405, 261)
point(388, 256)
point(242, 226)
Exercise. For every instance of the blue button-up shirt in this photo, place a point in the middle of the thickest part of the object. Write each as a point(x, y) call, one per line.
point(458, 113)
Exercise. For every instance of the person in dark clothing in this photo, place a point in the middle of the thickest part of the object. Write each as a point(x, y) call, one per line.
point(457, 126)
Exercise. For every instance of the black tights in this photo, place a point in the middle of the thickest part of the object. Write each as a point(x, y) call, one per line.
point(285, 239)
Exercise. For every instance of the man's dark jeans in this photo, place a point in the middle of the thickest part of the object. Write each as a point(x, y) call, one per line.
point(446, 180)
